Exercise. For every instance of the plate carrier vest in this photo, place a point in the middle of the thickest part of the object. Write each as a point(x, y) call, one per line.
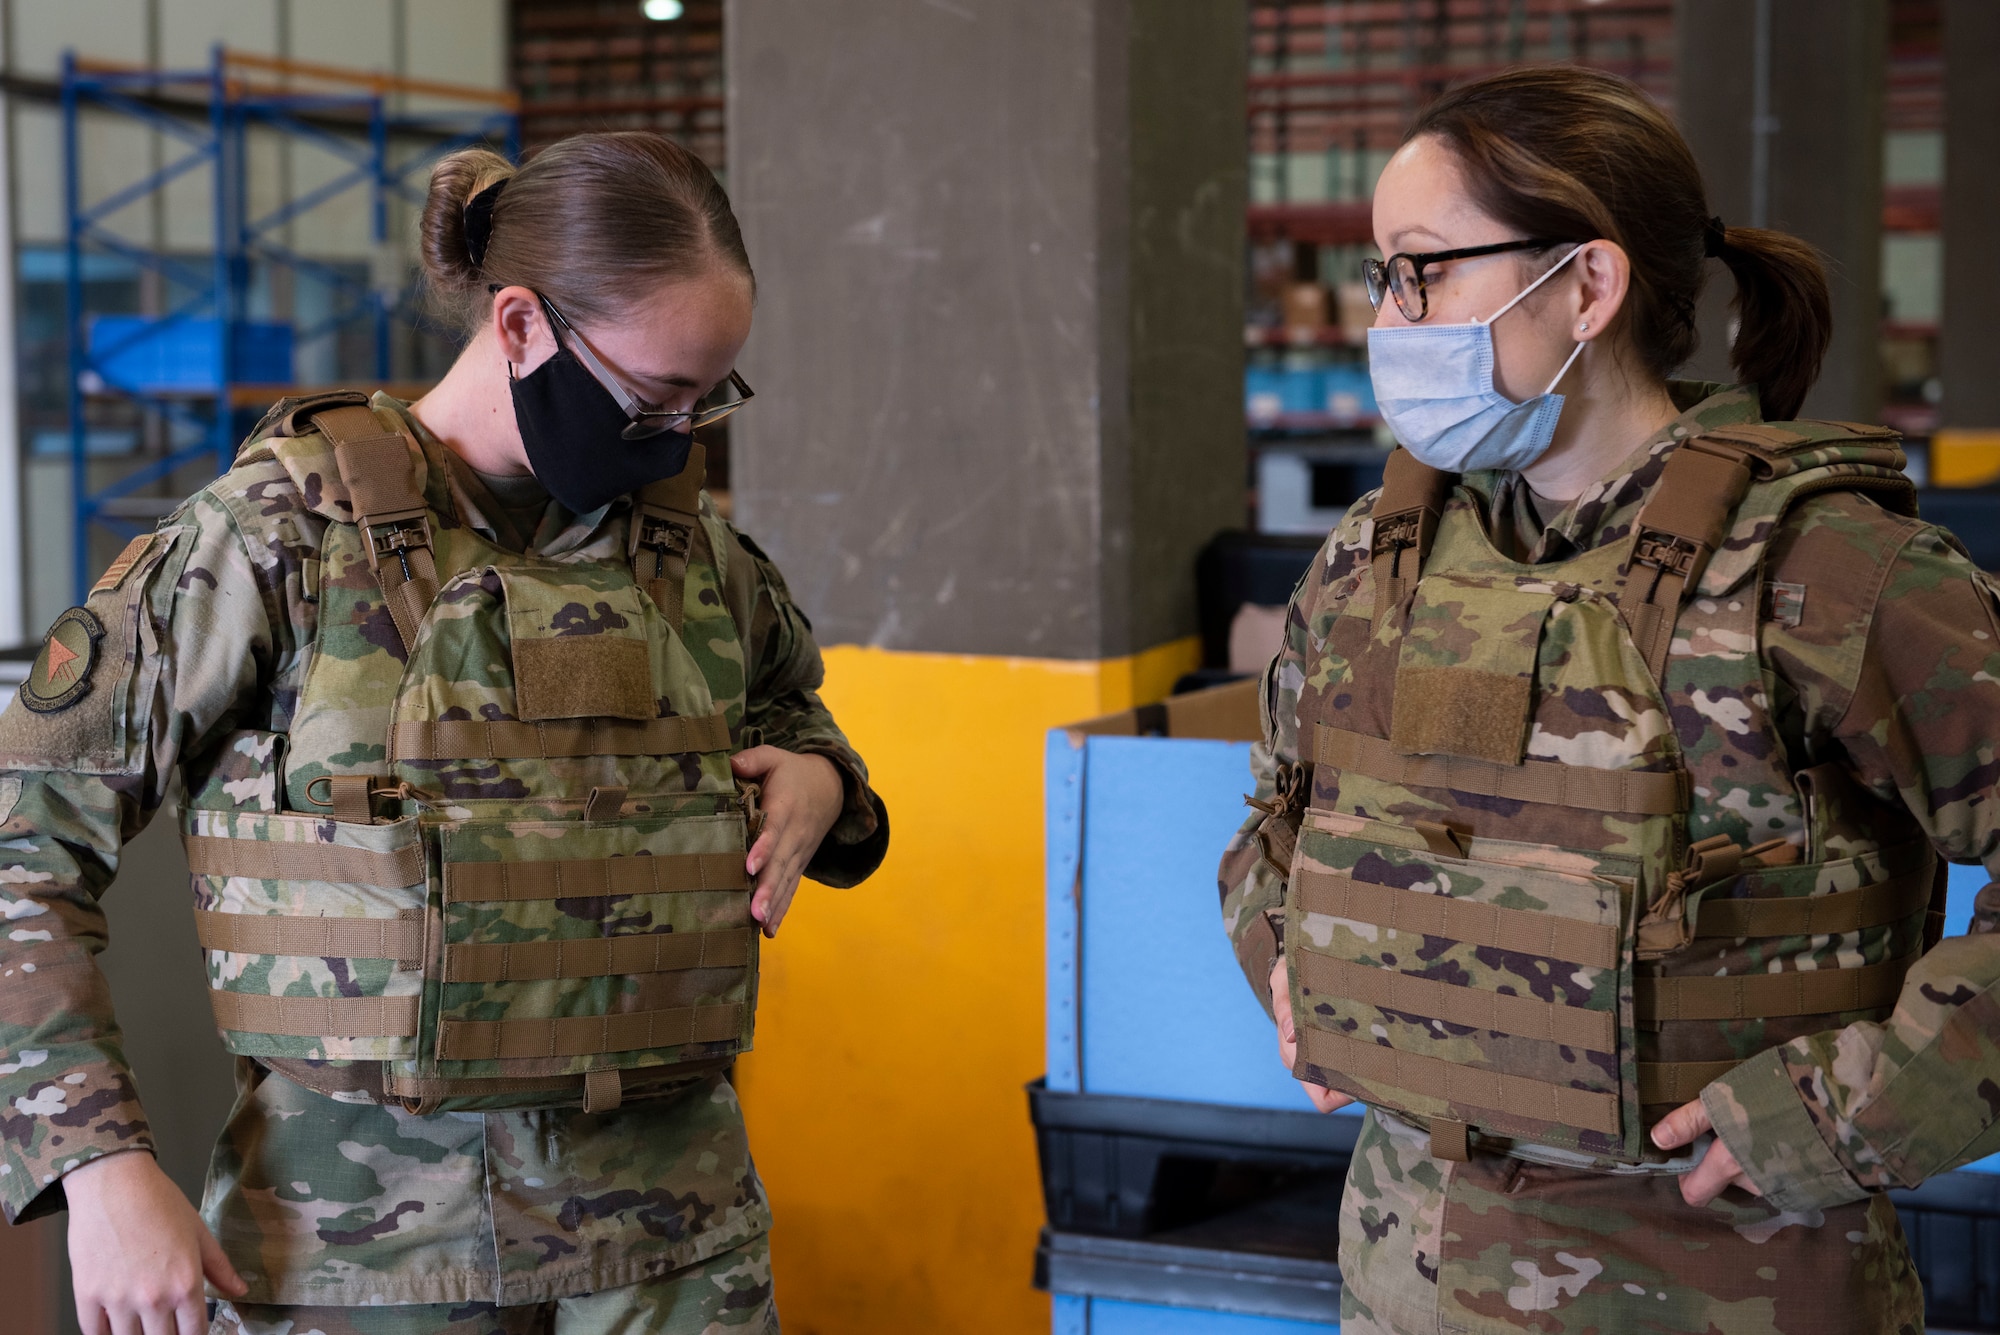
point(503, 863)
point(1518, 911)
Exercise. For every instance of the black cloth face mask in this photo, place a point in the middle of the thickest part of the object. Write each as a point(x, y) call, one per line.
point(574, 432)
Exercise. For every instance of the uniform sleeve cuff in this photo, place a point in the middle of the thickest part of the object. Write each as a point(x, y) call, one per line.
point(1758, 1114)
point(859, 839)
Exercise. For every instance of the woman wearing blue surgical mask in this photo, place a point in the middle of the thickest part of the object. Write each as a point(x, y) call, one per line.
point(1612, 757)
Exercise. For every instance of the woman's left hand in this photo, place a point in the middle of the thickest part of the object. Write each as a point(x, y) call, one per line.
point(1718, 1169)
point(803, 797)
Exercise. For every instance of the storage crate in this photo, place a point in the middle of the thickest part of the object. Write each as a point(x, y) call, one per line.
point(1142, 1167)
point(136, 352)
point(1144, 996)
point(1076, 1315)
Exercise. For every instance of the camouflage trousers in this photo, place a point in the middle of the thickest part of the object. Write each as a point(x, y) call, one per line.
point(728, 1294)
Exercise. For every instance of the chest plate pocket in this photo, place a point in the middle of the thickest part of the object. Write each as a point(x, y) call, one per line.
point(1464, 991)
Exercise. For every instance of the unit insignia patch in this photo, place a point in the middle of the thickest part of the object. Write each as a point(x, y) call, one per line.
point(61, 674)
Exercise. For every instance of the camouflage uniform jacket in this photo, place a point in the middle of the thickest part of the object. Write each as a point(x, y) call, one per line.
point(332, 1200)
point(1880, 648)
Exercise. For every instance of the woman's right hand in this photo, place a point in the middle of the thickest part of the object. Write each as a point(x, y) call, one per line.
point(1324, 1099)
point(138, 1251)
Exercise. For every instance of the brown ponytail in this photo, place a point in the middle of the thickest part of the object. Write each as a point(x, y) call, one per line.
point(1572, 154)
point(589, 222)
point(1784, 315)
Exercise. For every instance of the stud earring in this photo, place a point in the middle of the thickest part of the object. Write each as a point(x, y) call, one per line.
point(1584, 327)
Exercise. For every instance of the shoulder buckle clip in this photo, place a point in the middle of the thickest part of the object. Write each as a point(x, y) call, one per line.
point(397, 535)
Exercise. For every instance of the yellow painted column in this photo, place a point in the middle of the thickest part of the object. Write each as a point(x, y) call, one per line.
point(899, 1021)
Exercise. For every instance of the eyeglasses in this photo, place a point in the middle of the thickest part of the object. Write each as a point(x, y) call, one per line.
point(1403, 274)
point(649, 420)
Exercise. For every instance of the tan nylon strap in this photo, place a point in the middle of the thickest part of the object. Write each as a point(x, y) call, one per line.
point(1627, 792)
point(666, 530)
point(478, 739)
point(1473, 1007)
point(589, 878)
point(1460, 1086)
point(1594, 945)
point(351, 796)
point(1818, 915)
point(374, 465)
point(1679, 1082)
point(1405, 523)
point(315, 1017)
point(587, 1035)
point(400, 938)
point(603, 1091)
point(1760, 996)
point(597, 957)
point(1679, 528)
point(265, 860)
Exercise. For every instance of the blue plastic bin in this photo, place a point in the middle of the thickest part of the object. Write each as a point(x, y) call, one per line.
point(1075, 1315)
point(135, 352)
point(1144, 996)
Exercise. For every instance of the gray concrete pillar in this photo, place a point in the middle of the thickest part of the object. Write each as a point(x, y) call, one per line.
point(1811, 166)
point(998, 347)
point(1968, 335)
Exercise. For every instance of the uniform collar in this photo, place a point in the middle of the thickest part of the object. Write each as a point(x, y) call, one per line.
point(1606, 511)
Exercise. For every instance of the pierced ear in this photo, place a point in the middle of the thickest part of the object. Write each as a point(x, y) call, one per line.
point(1607, 281)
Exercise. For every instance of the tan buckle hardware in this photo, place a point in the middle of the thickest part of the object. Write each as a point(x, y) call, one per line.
point(397, 535)
point(1665, 552)
point(1395, 533)
point(662, 537)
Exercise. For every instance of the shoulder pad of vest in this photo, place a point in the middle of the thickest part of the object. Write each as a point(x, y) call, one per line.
point(308, 456)
point(1793, 459)
point(293, 416)
point(1779, 448)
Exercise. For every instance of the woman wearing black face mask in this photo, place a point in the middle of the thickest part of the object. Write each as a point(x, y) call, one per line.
point(501, 751)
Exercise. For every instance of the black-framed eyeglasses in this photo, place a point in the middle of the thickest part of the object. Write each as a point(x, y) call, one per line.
point(649, 419)
point(1402, 274)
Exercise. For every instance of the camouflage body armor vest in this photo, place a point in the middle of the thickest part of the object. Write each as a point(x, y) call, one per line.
point(503, 863)
point(1554, 872)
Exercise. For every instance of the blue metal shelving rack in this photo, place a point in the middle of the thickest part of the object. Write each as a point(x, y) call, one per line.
point(209, 116)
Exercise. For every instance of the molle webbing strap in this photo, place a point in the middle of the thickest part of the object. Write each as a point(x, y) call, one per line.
point(315, 1017)
point(1625, 792)
point(1528, 931)
point(588, 1035)
point(666, 529)
point(1877, 905)
point(590, 878)
point(1453, 1003)
point(477, 739)
point(603, 1091)
point(399, 938)
point(597, 957)
point(1682, 524)
point(1459, 1085)
point(212, 855)
point(1679, 1082)
point(1760, 996)
point(1405, 520)
point(374, 465)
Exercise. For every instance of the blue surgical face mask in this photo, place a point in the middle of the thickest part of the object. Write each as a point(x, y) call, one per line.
point(1434, 385)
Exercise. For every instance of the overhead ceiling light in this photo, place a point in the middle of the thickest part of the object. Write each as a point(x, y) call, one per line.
point(662, 11)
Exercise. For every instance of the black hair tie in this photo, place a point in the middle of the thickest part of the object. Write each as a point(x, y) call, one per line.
point(1714, 239)
point(479, 221)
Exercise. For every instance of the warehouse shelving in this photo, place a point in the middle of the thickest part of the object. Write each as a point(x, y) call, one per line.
point(185, 369)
